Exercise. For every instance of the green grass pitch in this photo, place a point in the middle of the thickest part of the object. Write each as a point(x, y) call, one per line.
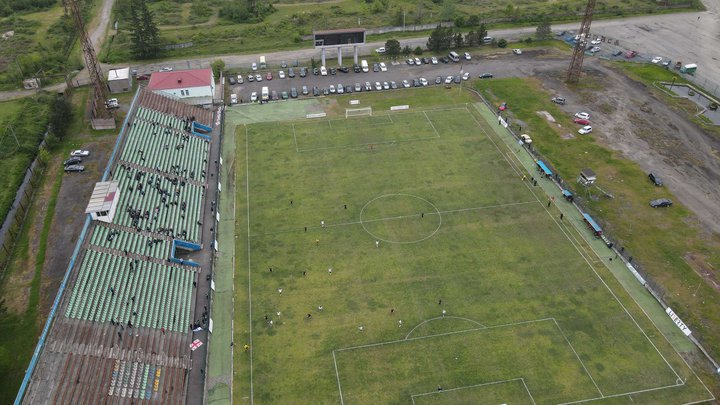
point(447, 271)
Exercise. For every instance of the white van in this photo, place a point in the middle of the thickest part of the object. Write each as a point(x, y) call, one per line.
point(233, 98)
point(323, 71)
point(487, 40)
point(364, 65)
point(265, 95)
point(454, 56)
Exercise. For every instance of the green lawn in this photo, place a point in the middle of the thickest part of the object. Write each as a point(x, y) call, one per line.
point(431, 226)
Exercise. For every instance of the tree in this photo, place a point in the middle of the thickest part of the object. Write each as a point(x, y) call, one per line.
point(473, 21)
point(482, 33)
point(145, 34)
point(458, 40)
point(406, 50)
point(218, 66)
point(471, 39)
point(459, 21)
point(440, 39)
point(61, 116)
point(447, 12)
point(418, 50)
point(502, 43)
point(543, 31)
point(392, 47)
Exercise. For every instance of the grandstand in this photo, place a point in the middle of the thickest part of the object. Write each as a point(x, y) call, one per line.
point(124, 326)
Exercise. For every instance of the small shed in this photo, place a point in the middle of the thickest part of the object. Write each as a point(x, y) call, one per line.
point(587, 177)
point(104, 201)
point(119, 80)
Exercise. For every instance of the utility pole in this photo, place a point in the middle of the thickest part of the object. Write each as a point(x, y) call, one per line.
point(573, 75)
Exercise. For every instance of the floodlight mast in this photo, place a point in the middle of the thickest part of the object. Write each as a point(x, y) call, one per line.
point(583, 36)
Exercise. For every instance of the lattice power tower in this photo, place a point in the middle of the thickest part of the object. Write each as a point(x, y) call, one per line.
point(102, 117)
point(573, 74)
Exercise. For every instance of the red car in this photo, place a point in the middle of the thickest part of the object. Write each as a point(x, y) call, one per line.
point(630, 54)
point(269, 76)
point(143, 77)
point(503, 107)
point(581, 121)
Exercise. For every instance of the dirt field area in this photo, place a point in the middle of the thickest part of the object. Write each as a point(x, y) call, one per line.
point(630, 119)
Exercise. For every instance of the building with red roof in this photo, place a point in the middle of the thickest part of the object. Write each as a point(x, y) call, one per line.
point(196, 86)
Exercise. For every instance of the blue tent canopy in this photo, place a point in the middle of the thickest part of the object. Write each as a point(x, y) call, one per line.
point(592, 224)
point(544, 168)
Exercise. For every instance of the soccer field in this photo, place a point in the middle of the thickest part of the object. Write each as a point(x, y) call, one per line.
point(379, 259)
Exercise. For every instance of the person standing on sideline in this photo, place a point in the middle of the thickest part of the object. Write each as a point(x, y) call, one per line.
point(322, 224)
point(377, 243)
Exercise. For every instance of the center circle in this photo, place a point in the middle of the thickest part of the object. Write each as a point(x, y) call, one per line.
point(400, 218)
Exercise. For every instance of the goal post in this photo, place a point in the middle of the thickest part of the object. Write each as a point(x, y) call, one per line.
point(358, 112)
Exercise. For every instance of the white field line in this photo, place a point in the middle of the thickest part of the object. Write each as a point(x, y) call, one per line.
point(247, 199)
point(623, 394)
point(391, 121)
point(330, 225)
point(578, 357)
point(442, 317)
point(356, 145)
point(337, 375)
point(431, 124)
point(604, 283)
point(528, 391)
point(473, 386)
point(485, 328)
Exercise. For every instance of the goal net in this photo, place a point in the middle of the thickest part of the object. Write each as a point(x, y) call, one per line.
point(358, 112)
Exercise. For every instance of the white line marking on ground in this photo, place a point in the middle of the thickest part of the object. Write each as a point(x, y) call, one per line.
point(355, 145)
point(441, 317)
point(337, 375)
point(431, 124)
point(474, 386)
point(295, 137)
point(622, 395)
point(247, 199)
point(578, 357)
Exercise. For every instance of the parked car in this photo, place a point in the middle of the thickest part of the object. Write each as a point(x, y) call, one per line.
point(72, 161)
point(291, 73)
point(368, 86)
point(303, 72)
point(448, 80)
point(503, 106)
point(410, 61)
point(253, 96)
point(630, 54)
point(380, 50)
point(486, 76)
point(166, 69)
point(281, 74)
point(655, 179)
point(434, 60)
point(240, 79)
point(258, 78)
point(595, 49)
point(316, 91)
point(74, 168)
point(438, 80)
point(466, 76)
point(358, 87)
point(80, 153)
point(378, 86)
point(445, 59)
point(517, 51)
point(595, 41)
point(283, 64)
point(457, 79)
point(340, 89)
point(316, 71)
point(233, 98)
point(558, 100)
point(383, 67)
point(251, 78)
point(305, 91)
point(348, 89)
point(293, 93)
point(284, 95)
point(423, 81)
point(333, 71)
point(617, 53)
point(418, 61)
point(254, 66)
point(393, 85)
point(581, 121)
point(405, 83)
point(661, 202)
point(667, 63)
point(112, 103)
point(332, 89)
point(585, 130)
point(467, 56)
point(582, 115)
point(386, 86)
point(344, 69)
point(143, 77)
point(356, 68)
point(274, 95)
point(656, 59)
point(232, 80)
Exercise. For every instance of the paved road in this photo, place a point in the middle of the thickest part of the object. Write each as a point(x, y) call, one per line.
point(690, 37)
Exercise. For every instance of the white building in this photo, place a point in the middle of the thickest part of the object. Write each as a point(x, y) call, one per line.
point(119, 80)
point(104, 201)
point(195, 87)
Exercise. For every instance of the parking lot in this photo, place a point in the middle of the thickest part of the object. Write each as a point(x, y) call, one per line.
point(396, 71)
